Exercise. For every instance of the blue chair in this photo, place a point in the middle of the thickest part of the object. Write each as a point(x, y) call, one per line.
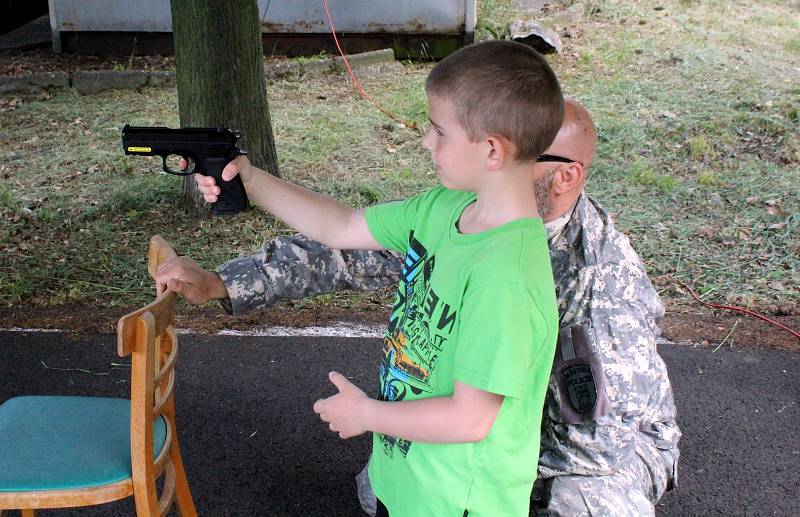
point(61, 452)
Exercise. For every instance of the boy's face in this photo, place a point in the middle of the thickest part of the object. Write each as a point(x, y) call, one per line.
point(458, 161)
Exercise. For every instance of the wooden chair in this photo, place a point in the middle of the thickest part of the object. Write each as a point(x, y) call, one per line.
point(59, 452)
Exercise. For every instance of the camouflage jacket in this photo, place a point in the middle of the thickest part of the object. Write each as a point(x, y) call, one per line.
point(609, 386)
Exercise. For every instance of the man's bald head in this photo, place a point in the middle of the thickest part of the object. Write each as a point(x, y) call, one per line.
point(577, 137)
point(558, 185)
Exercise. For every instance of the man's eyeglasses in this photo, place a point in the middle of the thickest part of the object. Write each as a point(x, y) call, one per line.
point(555, 158)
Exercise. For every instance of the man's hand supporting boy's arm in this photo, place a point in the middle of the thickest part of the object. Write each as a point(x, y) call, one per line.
point(316, 216)
point(466, 416)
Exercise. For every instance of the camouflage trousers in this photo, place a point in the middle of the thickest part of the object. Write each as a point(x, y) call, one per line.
point(366, 496)
point(633, 490)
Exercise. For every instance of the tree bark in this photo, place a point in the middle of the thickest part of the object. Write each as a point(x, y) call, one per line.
point(220, 76)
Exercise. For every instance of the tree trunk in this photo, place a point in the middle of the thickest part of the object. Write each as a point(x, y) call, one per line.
point(220, 75)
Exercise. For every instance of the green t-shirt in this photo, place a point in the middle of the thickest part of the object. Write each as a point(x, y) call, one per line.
point(477, 308)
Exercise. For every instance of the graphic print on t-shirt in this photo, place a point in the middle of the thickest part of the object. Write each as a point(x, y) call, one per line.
point(419, 327)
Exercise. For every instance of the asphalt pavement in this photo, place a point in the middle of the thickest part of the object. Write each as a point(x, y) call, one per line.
point(253, 447)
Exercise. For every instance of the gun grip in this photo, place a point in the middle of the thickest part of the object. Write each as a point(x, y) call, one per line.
point(232, 198)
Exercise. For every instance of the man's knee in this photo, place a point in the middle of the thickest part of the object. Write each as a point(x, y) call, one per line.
point(585, 496)
point(558, 497)
point(366, 497)
point(661, 468)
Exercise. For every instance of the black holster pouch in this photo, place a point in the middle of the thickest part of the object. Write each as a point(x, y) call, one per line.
point(579, 375)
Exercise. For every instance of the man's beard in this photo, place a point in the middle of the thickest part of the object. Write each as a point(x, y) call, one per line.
point(541, 188)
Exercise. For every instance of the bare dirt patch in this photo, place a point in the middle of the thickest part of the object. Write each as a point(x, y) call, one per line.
point(710, 328)
point(18, 62)
point(42, 60)
point(207, 319)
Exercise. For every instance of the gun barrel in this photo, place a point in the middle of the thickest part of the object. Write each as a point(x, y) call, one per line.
point(158, 140)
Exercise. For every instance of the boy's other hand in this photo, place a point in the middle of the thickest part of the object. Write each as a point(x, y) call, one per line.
point(207, 185)
point(184, 276)
point(343, 410)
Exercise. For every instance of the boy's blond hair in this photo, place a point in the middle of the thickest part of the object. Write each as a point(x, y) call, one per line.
point(502, 88)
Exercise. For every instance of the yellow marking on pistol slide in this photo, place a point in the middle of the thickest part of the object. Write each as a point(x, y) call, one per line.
point(139, 150)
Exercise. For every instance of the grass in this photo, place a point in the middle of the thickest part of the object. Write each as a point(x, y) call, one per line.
point(493, 16)
point(698, 159)
point(80, 213)
point(696, 117)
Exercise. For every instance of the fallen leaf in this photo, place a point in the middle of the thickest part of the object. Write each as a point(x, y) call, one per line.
point(707, 231)
point(662, 279)
point(775, 210)
point(777, 226)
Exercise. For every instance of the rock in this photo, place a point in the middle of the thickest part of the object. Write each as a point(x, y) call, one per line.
point(296, 68)
point(534, 35)
point(567, 17)
point(34, 82)
point(375, 57)
point(93, 81)
point(161, 79)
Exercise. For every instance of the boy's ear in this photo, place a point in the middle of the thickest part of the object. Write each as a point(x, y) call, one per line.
point(569, 176)
point(500, 150)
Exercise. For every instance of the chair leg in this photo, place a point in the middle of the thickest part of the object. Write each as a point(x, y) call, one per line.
point(183, 496)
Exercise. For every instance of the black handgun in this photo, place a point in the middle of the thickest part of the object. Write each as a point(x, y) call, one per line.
point(210, 149)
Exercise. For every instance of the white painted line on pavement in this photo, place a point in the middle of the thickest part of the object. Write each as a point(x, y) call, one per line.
point(335, 330)
point(19, 329)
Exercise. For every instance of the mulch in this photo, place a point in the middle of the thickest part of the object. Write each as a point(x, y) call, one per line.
point(40, 60)
point(20, 62)
point(700, 327)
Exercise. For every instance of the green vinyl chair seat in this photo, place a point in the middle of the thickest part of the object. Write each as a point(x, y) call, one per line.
point(63, 443)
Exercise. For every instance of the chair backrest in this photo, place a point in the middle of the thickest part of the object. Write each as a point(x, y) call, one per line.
point(149, 337)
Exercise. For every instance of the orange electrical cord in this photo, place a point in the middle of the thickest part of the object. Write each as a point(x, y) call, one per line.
point(356, 82)
point(739, 309)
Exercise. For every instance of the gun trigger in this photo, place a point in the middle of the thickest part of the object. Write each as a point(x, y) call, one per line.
point(164, 164)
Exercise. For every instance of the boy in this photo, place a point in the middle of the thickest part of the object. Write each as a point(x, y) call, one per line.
point(461, 385)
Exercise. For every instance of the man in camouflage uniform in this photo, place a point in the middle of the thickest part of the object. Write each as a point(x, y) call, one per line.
point(609, 437)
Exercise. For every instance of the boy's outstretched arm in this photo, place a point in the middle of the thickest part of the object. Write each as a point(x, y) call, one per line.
point(319, 217)
point(465, 416)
